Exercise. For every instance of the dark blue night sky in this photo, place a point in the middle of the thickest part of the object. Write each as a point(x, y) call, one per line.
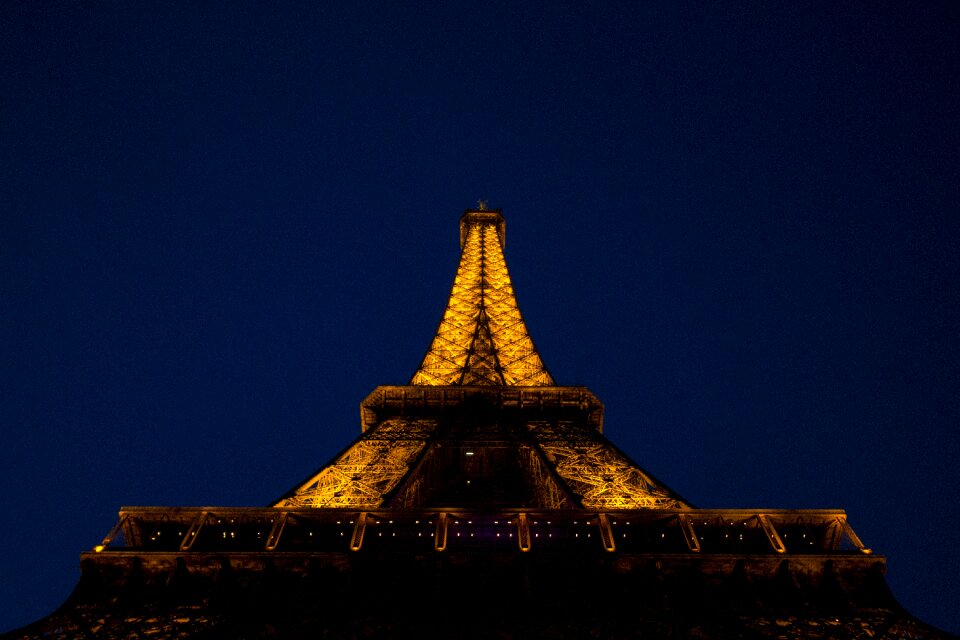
point(222, 225)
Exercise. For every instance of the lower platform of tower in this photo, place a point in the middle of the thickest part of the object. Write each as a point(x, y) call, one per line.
point(233, 574)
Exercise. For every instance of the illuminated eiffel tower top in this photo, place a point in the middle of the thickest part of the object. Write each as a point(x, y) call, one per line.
point(482, 339)
point(481, 424)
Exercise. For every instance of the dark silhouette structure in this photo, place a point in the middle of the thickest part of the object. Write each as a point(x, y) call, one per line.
point(480, 500)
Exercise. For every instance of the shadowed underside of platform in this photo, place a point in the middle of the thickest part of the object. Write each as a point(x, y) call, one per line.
point(471, 595)
point(314, 573)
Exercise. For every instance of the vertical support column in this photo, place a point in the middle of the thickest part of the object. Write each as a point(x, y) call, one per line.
point(275, 532)
point(772, 534)
point(689, 535)
point(606, 533)
point(356, 540)
point(192, 532)
point(440, 537)
point(523, 532)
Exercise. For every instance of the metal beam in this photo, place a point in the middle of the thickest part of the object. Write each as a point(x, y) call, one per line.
point(689, 535)
point(356, 540)
point(852, 536)
point(440, 537)
point(276, 531)
point(606, 533)
point(523, 532)
point(772, 534)
point(113, 534)
point(191, 536)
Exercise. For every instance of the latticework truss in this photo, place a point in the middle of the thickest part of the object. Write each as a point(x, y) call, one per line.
point(436, 442)
point(596, 471)
point(400, 463)
point(482, 338)
point(549, 492)
point(368, 470)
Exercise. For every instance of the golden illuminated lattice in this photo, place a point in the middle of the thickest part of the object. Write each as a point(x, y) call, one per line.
point(482, 339)
point(548, 494)
point(603, 477)
point(363, 475)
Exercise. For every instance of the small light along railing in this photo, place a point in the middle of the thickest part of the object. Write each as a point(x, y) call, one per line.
point(690, 531)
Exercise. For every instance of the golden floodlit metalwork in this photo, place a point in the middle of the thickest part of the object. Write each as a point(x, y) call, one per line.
point(482, 341)
point(369, 469)
point(603, 477)
point(487, 498)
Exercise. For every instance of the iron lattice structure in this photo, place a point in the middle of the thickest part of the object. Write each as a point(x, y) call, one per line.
point(545, 450)
point(482, 342)
point(482, 338)
point(486, 497)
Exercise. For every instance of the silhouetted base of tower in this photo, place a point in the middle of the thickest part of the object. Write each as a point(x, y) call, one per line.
point(477, 595)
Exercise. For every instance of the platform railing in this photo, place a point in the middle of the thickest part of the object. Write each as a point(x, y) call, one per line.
point(697, 531)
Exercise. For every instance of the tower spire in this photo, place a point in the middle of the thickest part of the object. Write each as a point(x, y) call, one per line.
point(482, 338)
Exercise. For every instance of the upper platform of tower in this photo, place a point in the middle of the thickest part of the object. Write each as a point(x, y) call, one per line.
point(482, 338)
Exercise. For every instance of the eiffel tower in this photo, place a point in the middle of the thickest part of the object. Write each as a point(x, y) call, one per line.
point(480, 500)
